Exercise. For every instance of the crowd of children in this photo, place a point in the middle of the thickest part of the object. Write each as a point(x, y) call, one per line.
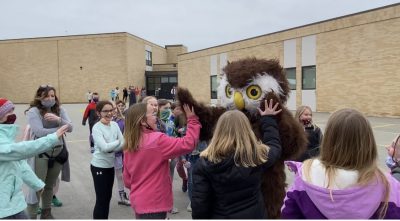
point(141, 146)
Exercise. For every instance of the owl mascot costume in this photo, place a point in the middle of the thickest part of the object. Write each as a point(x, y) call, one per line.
point(245, 85)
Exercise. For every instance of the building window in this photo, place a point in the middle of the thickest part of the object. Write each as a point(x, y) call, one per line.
point(149, 56)
point(173, 80)
point(164, 79)
point(214, 87)
point(291, 76)
point(308, 77)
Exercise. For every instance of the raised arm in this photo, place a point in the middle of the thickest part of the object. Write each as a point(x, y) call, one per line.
point(270, 132)
point(173, 147)
point(11, 151)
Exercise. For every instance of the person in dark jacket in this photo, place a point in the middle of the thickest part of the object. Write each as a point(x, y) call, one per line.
point(227, 178)
point(132, 96)
point(125, 94)
point(314, 134)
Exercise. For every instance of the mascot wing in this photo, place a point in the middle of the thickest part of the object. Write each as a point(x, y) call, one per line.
point(208, 115)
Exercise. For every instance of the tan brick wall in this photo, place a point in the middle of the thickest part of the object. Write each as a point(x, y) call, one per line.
point(359, 67)
point(173, 51)
point(103, 62)
point(24, 65)
point(107, 61)
point(165, 67)
point(195, 75)
point(136, 59)
point(357, 61)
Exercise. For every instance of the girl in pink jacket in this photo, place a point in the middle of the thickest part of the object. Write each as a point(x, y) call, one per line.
point(146, 155)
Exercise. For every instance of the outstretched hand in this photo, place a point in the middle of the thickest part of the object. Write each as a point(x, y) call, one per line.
point(269, 110)
point(61, 131)
point(188, 111)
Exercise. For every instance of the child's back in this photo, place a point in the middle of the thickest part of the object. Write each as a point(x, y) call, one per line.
point(227, 177)
point(344, 182)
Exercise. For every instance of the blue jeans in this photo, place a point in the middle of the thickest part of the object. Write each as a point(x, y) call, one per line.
point(192, 159)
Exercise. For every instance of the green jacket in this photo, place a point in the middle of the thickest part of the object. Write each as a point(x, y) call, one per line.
point(15, 170)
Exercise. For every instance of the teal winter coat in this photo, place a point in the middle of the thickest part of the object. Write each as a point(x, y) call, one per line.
point(14, 169)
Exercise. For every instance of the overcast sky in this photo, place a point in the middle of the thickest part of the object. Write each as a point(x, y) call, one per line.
point(197, 24)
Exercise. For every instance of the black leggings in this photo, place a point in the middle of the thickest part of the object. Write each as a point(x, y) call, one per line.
point(160, 215)
point(103, 179)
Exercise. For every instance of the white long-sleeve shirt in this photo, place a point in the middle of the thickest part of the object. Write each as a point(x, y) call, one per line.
point(108, 139)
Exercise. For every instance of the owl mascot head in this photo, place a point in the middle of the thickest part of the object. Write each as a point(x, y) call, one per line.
point(245, 85)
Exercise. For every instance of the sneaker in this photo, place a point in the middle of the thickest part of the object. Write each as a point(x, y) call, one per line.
point(123, 199)
point(39, 211)
point(174, 210)
point(55, 202)
point(189, 207)
point(184, 186)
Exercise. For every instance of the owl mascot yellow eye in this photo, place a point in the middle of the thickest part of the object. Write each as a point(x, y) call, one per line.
point(253, 92)
point(228, 91)
point(268, 80)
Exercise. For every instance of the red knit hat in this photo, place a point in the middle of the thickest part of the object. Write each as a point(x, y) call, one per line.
point(5, 107)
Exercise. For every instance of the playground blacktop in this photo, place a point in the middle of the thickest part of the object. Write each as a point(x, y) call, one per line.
point(78, 196)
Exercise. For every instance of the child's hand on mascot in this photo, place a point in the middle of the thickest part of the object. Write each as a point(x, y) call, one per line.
point(188, 111)
point(270, 109)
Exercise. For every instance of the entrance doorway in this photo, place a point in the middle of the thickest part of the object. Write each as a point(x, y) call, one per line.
point(159, 84)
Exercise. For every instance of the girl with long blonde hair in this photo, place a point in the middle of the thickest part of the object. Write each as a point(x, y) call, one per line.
point(146, 159)
point(344, 182)
point(227, 177)
point(314, 135)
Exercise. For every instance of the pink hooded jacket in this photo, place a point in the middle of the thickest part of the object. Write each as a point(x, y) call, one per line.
point(146, 171)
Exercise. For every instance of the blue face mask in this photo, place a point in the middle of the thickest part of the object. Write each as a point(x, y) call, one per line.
point(165, 114)
point(48, 103)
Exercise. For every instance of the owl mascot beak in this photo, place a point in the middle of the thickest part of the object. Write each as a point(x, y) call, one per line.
point(238, 99)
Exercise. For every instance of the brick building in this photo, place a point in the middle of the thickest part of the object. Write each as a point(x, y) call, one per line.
point(350, 61)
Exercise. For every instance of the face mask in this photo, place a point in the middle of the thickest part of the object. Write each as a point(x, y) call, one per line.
point(95, 99)
point(164, 115)
point(10, 119)
point(48, 103)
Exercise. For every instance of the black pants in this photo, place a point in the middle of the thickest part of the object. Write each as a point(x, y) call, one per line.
point(160, 215)
point(103, 179)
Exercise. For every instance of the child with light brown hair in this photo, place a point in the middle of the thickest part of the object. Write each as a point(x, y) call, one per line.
point(146, 159)
point(227, 177)
point(314, 135)
point(344, 182)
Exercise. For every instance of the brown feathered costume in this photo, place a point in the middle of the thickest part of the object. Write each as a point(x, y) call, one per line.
point(245, 84)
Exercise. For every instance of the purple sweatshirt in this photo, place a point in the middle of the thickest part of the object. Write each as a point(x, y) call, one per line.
point(307, 201)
